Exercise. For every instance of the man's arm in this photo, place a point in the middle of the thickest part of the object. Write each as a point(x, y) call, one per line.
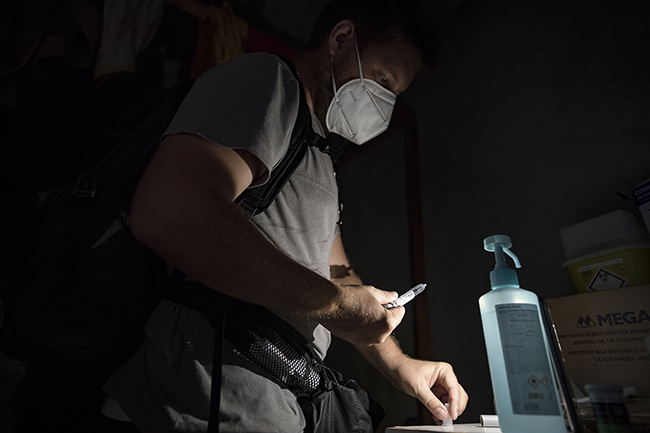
point(183, 210)
point(429, 382)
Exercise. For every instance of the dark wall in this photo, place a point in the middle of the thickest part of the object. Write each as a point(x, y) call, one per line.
point(538, 118)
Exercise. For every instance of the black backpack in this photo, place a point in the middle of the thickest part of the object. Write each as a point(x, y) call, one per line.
point(79, 288)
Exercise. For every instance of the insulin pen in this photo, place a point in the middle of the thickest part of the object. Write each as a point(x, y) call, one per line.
point(406, 297)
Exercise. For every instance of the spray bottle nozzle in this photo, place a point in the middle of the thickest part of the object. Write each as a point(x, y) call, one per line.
point(502, 275)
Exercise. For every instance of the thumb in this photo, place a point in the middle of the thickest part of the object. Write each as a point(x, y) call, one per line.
point(435, 406)
point(383, 296)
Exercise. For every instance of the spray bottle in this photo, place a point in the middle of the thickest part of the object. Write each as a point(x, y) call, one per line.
point(523, 380)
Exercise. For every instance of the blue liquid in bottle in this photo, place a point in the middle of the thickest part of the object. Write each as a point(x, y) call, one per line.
point(523, 380)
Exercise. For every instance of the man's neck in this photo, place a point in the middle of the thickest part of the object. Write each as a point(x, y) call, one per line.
point(310, 67)
point(314, 69)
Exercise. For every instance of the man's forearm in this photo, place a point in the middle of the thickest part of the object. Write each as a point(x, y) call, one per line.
point(384, 357)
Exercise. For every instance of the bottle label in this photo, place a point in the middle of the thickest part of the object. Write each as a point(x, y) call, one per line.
point(530, 377)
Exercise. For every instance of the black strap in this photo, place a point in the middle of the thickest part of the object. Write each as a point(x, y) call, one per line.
point(313, 139)
point(325, 146)
point(257, 199)
point(217, 361)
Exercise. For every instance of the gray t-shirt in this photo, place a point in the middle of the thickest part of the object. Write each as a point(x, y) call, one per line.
point(248, 103)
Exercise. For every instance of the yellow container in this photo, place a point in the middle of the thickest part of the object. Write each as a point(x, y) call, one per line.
point(618, 266)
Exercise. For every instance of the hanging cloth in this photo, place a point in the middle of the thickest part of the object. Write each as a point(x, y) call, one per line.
point(221, 37)
point(129, 28)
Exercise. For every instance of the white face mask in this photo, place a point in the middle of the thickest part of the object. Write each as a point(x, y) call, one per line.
point(360, 110)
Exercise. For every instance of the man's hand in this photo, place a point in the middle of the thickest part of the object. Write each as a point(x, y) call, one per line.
point(433, 383)
point(359, 317)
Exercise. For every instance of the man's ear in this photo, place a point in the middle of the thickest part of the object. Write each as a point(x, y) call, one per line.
point(342, 33)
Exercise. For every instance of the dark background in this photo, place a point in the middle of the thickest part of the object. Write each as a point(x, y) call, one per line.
point(538, 118)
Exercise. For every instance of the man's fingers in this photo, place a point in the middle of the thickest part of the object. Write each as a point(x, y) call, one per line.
point(433, 404)
point(457, 399)
point(394, 317)
point(459, 404)
point(455, 394)
point(454, 403)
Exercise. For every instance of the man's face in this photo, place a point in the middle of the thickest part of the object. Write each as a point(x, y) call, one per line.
point(392, 65)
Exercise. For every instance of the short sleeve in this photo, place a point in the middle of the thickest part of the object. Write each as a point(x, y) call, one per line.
point(249, 103)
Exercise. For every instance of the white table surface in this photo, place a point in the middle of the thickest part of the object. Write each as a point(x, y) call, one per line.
point(458, 428)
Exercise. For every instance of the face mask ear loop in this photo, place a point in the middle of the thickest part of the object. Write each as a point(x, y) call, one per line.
point(336, 95)
point(356, 44)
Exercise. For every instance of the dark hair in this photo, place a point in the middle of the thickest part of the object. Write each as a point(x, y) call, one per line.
point(378, 21)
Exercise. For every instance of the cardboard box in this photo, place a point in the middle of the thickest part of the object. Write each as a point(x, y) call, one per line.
point(641, 194)
point(604, 337)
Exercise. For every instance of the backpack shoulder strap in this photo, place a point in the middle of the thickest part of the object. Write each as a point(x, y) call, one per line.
point(256, 200)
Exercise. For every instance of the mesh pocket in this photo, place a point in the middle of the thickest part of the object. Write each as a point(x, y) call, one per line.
point(270, 351)
point(45, 198)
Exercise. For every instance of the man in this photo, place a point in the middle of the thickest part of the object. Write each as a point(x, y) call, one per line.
point(231, 130)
